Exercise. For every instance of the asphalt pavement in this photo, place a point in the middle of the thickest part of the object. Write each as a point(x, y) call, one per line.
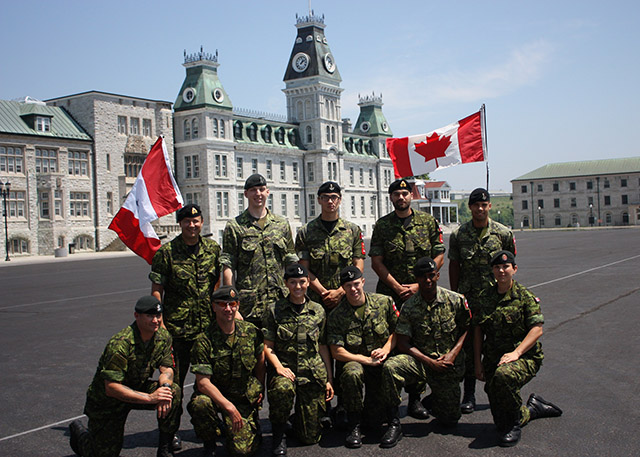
point(57, 315)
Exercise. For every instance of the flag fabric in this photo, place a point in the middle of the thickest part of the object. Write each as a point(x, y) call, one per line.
point(460, 142)
point(154, 194)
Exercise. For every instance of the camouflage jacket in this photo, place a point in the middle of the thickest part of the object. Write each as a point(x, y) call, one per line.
point(436, 327)
point(230, 365)
point(188, 281)
point(505, 321)
point(328, 253)
point(258, 256)
point(297, 337)
point(474, 251)
point(361, 336)
point(128, 360)
point(402, 247)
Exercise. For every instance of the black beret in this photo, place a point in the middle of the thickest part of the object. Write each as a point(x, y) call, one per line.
point(255, 180)
point(399, 184)
point(502, 257)
point(295, 270)
point(350, 273)
point(189, 210)
point(479, 195)
point(148, 305)
point(423, 266)
point(330, 187)
point(225, 294)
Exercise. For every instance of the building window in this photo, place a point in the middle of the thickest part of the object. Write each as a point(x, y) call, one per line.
point(623, 182)
point(192, 166)
point(361, 177)
point(589, 185)
point(363, 206)
point(283, 204)
point(572, 186)
point(187, 129)
point(540, 203)
point(134, 126)
point(280, 135)
point(57, 203)
point(309, 134)
point(220, 166)
point(270, 202)
point(373, 206)
point(525, 204)
point(240, 202)
point(44, 205)
point(625, 199)
point(590, 201)
point(523, 189)
point(296, 205)
point(558, 220)
point(312, 205)
point(221, 128)
point(353, 206)
point(573, 203)
point(46, 161)
point(61, 241)
point(269, 170)
point(252, 132)
point(607, 200)
point(328, 134)
point(16, 204)
point(222, 200)
point(607, 184)
point(352, 176)
point(371, 177)
point(237, 130)
point(43, 124)
point(79, 204)
point(556, 187)
point(83, 243)
point(133, 164)
point(541, 220)
point(11, 160)
point(608, 219)
point(108, 158)
point(254, 166)
point(122, 125)
point(214, 130)
point(109, 203)
point(333, 171)
point(239, 170)
point(266, 134)
point(79, 163)
point(146, 127)
point(283, 171)
point(525, 221)
point(296, 176)
point(333, 134)
point(556, 203)
point(311, 172)
point(539, 187)
point(19, 246)
point(194, 128)
point(625, 218)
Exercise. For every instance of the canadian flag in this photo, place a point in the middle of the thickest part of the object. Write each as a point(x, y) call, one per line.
point(154, 194)
point(460, 142)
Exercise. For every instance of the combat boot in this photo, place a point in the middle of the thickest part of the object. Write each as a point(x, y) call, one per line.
point(279, 441)
point(468, 404)
point(164, 445)
point(510, 437)
point(209, 449)
point(417, 409)
point(394, 432)
point(538, 407)
point(354, 438)
point(76, 430)
point(176, 443)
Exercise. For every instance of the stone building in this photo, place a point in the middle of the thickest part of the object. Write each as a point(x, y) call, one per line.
point(434, 197)
point(586, 193)
point(218, 145)
point(123, 129)
point(47, 158)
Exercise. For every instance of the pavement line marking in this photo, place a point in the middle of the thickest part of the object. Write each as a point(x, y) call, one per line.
point(47, 302)
point(582, 272)
point(53, 425)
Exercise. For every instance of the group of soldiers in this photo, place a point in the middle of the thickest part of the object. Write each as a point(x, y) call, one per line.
point(263, 313)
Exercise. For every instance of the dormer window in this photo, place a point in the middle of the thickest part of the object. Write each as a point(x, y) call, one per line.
point(43, 124)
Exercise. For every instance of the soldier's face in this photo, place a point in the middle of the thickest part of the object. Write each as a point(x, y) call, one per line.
point(504, 274)
point(148, 323)
point(354, 291)
point(225, 311)
point(297, 288)
point(191, 227)
point(480, 211)
point(257, 195)
point(428, 284)
point(401, 199)
point(329, 202)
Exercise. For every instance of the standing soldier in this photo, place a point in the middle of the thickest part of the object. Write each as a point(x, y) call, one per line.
point(299, 362)
point(183, 275)
point(507, 352)
point(431, 329)
point(471, 247)
point(257, 245)
point(328, 244)
point(360, 335)
point(122, 383)
point(228, 362)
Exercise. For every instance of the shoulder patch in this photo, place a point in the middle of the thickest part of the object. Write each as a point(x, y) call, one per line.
point(362, 244)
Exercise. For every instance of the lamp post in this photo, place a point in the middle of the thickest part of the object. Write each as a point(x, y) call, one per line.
point(6, 186)
point(539, 216)
point(591, 214)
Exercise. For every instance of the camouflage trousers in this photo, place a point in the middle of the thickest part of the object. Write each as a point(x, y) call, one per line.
point(309, 407)
point(182, 359)
point(106, 426)
point(355, 379)
point(402, 370)
point(210, 421)
point(503, 384)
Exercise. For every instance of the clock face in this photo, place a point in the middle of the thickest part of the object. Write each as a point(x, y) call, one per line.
point(329, 64)
point(189, 94)
point(218, 95)
point(300, 62)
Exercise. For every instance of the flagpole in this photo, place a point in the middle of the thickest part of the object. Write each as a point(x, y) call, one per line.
point(484, 140)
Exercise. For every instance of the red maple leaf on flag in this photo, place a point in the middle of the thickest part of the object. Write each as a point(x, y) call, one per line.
point(434, 147)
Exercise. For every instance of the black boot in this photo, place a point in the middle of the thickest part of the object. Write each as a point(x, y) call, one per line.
point(354, 438)
point(279, 440)
point(76, 430)
point(538, 407)
point(417, 409)
point(176, 443)
point(468, 404)
point(394, 432)
point(164, 445)
point(209, 449)
point(510, 437)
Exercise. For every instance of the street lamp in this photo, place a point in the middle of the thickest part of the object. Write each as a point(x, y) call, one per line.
point(499, 220)
point(591, 214)
point(6, 186)
point(539, 216)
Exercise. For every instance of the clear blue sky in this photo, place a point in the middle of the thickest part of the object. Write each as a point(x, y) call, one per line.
point(560, 79)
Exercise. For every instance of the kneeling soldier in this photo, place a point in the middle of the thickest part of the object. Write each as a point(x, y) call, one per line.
point(121, 383)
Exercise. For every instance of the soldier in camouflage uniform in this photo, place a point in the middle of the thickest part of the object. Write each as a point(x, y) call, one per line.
point(471, 247)
point(257, 245)
point(507, 351)
point(122, 383)
point(328, 244)
point(228, 362)
point(360, 335)
point(184, 273)
point(401, 238)
point(431, 329)
point(299, 362)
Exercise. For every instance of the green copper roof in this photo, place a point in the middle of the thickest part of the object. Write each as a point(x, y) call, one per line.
point(375, 124)
point(19, 118)
point(584, 168)
point(201, 87)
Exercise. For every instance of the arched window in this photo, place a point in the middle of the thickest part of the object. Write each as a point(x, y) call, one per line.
point(280, 135)
point(367, 147)
point(292, 137)
point(266, 134)
point(309, 134)
point(19, 246)
point(333, 134)
point(214, 129)
point(187, 129)
point(359, 146)
point(328, 134)
point(83, 243)
point(194, 128)
point(237, 130)
point(252, 132)
point(221, 128)
point(299, 110)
